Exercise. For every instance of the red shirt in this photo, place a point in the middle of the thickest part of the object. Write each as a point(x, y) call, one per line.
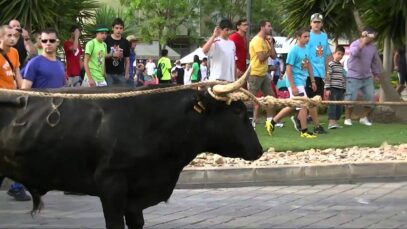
point(73, 62)
point(241, 50)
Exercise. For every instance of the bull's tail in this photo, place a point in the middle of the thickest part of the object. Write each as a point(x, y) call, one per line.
point(37, 202)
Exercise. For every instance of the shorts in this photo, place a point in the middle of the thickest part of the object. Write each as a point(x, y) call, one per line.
point(320, 87)
point(353, 86)
point(74, 81)
point(301, 92)
point(263, 84)
point(85, 83)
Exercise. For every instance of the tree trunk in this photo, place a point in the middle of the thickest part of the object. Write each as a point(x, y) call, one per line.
point(387, 62)
point(358, 19)
point(390, 94)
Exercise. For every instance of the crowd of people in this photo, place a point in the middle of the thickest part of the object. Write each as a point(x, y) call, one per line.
point(109, 59)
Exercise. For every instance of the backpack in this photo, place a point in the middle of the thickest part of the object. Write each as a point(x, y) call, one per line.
point(159, 71)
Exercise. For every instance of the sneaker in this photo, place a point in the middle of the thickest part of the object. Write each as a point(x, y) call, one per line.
point(296, 123)
point(269, 127)
point(254, 124)
point(348, 122)
point(333, 126)
point(365, 121)
point(19, 194)
point(319, 130)
point(279, 124)
point(308, 135)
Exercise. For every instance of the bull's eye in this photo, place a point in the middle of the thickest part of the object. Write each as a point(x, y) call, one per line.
point(237, 110)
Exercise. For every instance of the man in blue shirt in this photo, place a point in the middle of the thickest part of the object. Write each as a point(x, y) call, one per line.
point(319, 55)
point(45, 71)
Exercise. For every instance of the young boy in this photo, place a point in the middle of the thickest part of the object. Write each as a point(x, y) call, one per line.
point(94, 61)
point(335, 87)
point(298, 69)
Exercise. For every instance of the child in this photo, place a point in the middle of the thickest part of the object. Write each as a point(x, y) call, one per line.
point(335, 86)
point(298, 69)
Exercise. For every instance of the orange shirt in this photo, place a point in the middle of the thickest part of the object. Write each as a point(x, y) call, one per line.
point(6, 72)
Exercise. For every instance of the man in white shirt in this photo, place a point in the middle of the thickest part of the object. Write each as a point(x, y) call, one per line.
point(204, 69)
point(150, 67)
point(221, 51)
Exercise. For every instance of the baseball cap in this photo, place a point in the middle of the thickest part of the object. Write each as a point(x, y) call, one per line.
point(132, 38)
point(316, 17)
point(101, 28)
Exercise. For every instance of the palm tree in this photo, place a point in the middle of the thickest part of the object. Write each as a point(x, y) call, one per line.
point(38, 14)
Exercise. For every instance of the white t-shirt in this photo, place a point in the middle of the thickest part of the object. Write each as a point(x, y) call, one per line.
point(204, 72)
point(187, 76)
point(222, 55)
point(150, 66)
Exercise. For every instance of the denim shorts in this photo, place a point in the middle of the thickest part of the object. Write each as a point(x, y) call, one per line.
point(353, 86)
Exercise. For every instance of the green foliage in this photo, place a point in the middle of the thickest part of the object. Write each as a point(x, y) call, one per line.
point(338, 17)
point(386, 17)
point(103, 16)
point(214, 11)
point(161, 18)
point(287, 138)
point(35, 15)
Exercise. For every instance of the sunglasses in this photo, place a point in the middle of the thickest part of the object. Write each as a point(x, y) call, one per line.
point(50, 41)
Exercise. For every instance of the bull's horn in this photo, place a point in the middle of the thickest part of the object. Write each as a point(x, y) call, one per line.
point(226, 88)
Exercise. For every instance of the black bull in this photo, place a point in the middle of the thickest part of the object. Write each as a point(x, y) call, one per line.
point(127, 151)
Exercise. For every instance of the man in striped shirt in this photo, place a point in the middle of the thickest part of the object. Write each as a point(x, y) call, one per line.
point(335, 87)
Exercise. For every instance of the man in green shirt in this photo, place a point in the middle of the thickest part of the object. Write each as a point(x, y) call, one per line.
point(94, 62)
point(164, 63)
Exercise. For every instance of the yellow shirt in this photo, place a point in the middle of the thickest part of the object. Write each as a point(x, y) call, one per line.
point(257, 68)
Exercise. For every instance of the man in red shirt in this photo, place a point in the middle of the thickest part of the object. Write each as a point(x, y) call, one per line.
point(73, 53)
point(239, 38)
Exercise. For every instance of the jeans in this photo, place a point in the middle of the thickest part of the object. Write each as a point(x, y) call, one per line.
point(335, 111)
point(115, 80)
point(354, 85)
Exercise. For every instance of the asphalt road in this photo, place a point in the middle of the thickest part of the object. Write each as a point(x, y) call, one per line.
point(362, 205)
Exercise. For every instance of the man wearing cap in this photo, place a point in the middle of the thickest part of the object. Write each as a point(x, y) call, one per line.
point(319, 55)
point(132, 58)
point(94, 61)
point(117, 59)
point(363, 65)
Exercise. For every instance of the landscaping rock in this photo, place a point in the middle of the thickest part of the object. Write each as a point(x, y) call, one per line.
point(354, 154)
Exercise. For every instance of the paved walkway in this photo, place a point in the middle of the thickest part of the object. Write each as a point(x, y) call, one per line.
point(367, 205)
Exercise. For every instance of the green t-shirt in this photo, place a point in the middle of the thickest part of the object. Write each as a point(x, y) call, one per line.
point(165, 67)
point(195, 69)
point(97, 52)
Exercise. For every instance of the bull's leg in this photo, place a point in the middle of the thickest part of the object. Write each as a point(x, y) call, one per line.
point(134, 216)
point(112, 193)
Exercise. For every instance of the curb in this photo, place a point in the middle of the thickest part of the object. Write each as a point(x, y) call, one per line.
point(293, 175)
point(288, 175)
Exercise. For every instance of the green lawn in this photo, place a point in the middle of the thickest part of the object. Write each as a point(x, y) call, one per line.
point(287, 138)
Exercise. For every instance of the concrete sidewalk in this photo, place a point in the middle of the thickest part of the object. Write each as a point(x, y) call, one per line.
point(361, 205)
point(293, 175)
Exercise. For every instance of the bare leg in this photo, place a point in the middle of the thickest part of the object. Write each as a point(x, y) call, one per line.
point(314, 114)
point(366, 111)
point(348, 112)
point(283, 113)
point(302, 116)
